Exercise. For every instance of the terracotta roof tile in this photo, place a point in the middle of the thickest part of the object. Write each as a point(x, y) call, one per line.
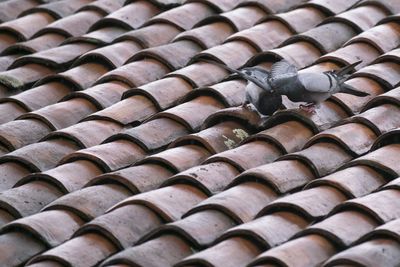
point(114, 129)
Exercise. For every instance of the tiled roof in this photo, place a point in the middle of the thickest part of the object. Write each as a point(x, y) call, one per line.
point(119, 146)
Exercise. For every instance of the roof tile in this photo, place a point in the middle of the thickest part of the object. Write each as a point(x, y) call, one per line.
point(11, 9)
point(24, 76)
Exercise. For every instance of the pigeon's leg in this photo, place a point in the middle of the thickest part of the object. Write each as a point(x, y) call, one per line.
point(309, 108)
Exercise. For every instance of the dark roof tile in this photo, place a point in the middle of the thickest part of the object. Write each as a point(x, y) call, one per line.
point(312, 203)
point(128, 153)
point(390, 97)
point(103, 36)
point(384, 252)
point(117, 225)
point(387, 73)
point(275, 6)
point(163, 251)
point(28, 199)
point(229, 253)
point(6, 40)
point(310, 250)
point(143, 11)
point(282, 176)
point(170, 202)
point(391, 5)
point(241, 202)
point(354, 181)
point(90, 202)
point(390, 229)
point(46, 226)
point(220, 5)
point(138, 179)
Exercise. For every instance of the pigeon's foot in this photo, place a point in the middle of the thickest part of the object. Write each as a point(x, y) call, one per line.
point(308, 108)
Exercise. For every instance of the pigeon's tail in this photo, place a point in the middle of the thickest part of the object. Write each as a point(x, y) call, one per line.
point(348, 89)
point(345, 70)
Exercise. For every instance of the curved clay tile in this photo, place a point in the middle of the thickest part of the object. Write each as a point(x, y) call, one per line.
point(277, 33)
point(90, 202)
point(104, 6)
point(10, 10)
point(210, 178)
point(58, 9)
point(24, 77)
point(117, 225)
point(138, 179)
point(14, 172)
point(152, 35)
point(207, 36)
point(128, 153)
point(354, 181)
point(283, 176)
point(165, 250)
point(51, 235)
point(390, 229)
point(124, 18)
point(200, 228)
point(274, 6)
point(386, 139)
point(241, 202)
point(7, 40)
point(387, 73)
point(390, 97)
point(154, 134)
point(101, 37)
point(219, 5)
point(338, 227)
point(331, 7)
point(68, 177)
point(270, 230)
point(10, 111)
point(249, 155)
point(391, 6)
point(310, 250)
point(172, 159)
point(37, 44)
point(231, 252)
point(384, 252)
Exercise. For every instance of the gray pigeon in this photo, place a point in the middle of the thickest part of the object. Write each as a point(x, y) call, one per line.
point(259, 94)
point(310, 87)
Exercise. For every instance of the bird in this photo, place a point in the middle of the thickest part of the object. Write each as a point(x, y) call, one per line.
point(259, 95)
point(310, 87)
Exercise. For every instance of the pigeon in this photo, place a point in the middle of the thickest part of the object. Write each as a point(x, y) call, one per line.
point(310, 87)
point(259, 94)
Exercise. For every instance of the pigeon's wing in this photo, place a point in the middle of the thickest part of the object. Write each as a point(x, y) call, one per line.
point(317, 82)
point(283, 74)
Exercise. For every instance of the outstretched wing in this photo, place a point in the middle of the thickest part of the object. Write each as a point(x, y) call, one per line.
point(283, 74)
